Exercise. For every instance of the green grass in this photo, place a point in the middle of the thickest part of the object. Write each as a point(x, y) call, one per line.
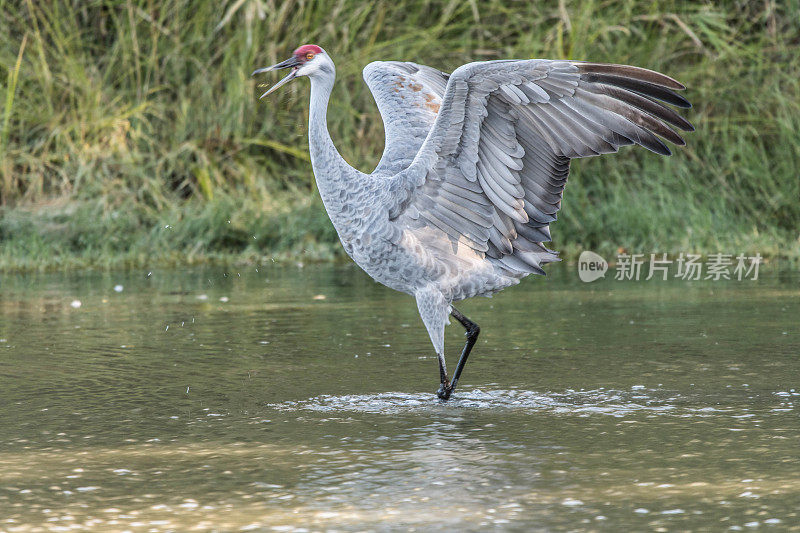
point(131, 131)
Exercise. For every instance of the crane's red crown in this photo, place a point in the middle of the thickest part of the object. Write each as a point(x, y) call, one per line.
point(307, 52)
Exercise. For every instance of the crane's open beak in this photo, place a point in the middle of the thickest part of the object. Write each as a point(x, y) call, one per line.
point(291, 63)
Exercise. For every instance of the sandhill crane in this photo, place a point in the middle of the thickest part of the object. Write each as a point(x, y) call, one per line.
point(474, 167)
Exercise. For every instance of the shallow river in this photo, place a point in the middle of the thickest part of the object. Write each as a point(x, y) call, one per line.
point(302, 399)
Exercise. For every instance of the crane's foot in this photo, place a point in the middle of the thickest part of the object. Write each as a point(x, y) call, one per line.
point(445, 390)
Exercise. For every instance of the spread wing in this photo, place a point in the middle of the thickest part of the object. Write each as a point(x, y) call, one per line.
point(492, 170)
point(409, 97)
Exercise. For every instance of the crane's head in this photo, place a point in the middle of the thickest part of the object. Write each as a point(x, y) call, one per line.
point(308, 60)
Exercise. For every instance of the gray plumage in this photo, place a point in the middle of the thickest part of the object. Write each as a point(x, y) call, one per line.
point(475, 165)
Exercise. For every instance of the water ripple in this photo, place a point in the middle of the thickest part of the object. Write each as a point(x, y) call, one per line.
point(584, 402)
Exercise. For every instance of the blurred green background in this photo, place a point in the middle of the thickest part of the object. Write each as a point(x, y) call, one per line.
point(131, 132)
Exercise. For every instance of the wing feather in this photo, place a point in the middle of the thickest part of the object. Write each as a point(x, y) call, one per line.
point(492, 169)
point(408, 96)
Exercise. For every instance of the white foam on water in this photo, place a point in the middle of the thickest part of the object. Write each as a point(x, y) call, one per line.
point(603, 402)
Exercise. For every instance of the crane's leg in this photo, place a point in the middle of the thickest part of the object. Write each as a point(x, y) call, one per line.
point(444, 382)
point(433, 309)
point(473, 330)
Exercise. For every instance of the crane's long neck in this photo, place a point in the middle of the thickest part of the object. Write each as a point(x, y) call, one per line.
point(330, 170)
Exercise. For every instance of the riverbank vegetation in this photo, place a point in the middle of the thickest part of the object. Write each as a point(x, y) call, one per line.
point(131, 132)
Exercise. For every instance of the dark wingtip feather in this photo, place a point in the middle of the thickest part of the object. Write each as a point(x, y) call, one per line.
point(670, 135)
point(644, 103)
point(642, 87)
point(654, 144)
point(666, 151)
point(628, 71)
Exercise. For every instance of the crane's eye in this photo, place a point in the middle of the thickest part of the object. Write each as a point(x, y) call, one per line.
point(309, 56)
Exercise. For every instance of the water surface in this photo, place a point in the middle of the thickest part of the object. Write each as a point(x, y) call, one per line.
point(302, 399)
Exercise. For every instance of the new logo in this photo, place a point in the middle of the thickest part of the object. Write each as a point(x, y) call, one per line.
point(591, 266)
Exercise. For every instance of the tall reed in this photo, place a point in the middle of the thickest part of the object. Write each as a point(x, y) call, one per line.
point(122, 117)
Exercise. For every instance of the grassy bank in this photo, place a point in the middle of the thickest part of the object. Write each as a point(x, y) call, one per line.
point(131, 133)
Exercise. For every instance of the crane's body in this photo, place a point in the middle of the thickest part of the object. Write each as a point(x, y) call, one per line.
point(474, 168)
